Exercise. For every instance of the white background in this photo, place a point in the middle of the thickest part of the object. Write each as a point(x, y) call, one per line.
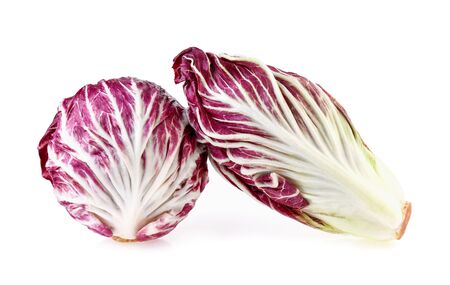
point(388, 63)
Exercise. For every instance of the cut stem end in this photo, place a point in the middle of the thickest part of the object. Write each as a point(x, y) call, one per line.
point(124, 240)
point(406, 215)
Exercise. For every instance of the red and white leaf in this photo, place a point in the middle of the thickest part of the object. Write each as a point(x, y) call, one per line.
point(284, 140)
point(123, 160)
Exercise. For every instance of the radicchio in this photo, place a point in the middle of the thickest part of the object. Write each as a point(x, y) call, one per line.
point(285, 141)
point(122, 159)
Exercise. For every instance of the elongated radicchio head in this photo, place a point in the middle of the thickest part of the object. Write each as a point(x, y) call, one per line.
point(122, 159)
point(288, 143)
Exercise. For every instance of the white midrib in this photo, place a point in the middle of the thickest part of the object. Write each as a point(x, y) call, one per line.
point(349, 181)
point(134, 211)
point(142, 201)
point(375, 199)
point(126, 225)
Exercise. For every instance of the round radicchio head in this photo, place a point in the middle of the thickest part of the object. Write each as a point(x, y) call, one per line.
point(123, 160)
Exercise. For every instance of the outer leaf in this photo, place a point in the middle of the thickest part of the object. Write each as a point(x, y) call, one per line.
point(288, 143)
point(123, 160)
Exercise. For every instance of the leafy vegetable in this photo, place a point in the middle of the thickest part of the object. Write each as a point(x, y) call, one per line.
point(285, 141)
point(123, 160)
